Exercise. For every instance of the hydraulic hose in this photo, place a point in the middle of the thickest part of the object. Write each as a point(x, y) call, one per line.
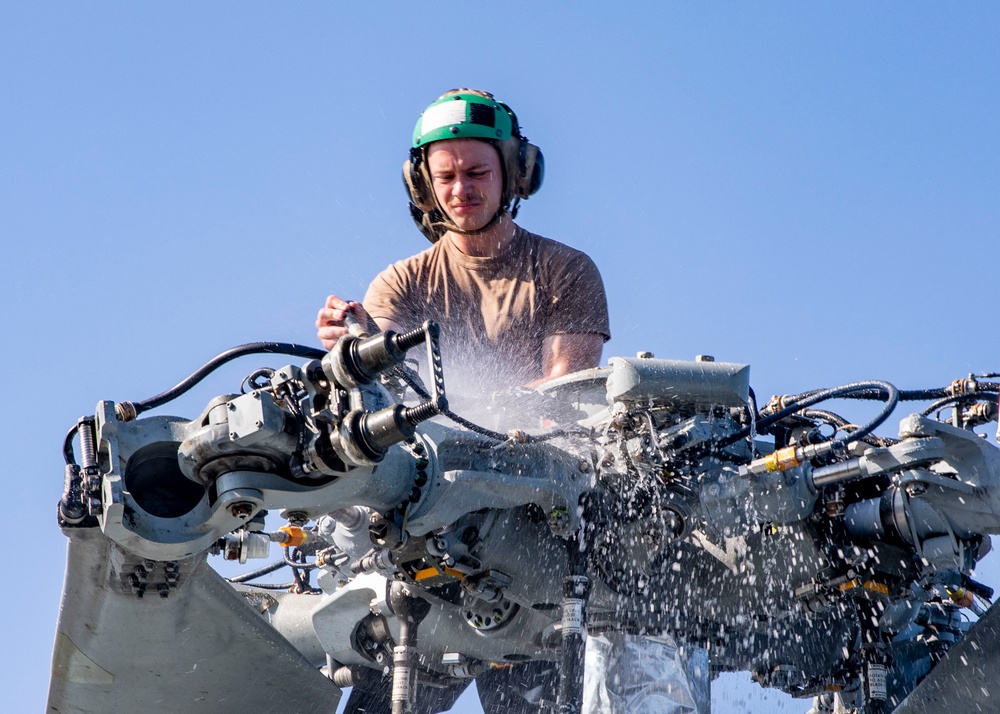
point(273, 586)
point(68, 445)
point(887, 392)
point(297, 565)
point(969, 397)
point(841, 423)
point(919, 395)
point(229, 355)
point(266, 348)
point(259, 572)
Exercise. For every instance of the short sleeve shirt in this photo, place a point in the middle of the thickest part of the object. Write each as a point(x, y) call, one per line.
point(494, 312)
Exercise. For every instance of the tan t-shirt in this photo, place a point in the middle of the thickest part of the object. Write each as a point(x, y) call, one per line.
point(494, 312)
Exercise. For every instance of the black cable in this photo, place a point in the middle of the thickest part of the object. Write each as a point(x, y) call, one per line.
point(481, 430)
point(556, 433)
point(249, 379)
point(829, 417)
point(417, 388)
point(752, 404)
point(213, 364)
point(259, 572)
point(68, 445)
point(841, 423)
point(272, 586)
point(879, 394)
point(918, 395)
point(807, 399)
point(941, 403)
point(299, 565)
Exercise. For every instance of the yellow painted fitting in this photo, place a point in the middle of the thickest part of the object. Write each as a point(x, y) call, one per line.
point(433, 572)
point(876, 587)
point(961, 597)
point(295, 536)
point(850, 585)
point(782, 459)
point(426, 573)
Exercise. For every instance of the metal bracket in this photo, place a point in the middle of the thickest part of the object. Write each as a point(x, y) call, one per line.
point(433, 332)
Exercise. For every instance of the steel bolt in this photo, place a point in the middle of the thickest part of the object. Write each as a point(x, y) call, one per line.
point(558, 519)
point(241, 510)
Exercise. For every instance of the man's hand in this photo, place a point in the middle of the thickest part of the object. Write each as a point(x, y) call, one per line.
point(330, 319)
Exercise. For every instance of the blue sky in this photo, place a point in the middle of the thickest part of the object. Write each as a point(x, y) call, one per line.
point(810, 188)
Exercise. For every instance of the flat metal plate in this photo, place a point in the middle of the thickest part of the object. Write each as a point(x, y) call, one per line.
point(202, 650)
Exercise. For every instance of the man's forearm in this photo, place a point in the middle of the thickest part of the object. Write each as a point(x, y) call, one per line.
point(565, 353)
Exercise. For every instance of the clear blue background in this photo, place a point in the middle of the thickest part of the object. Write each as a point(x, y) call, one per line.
point(810, 188)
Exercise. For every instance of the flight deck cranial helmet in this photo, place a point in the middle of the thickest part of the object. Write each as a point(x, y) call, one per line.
point(470, 114)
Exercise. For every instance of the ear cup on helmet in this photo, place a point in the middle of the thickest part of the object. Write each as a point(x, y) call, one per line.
point(530, 170)
point(415, 178)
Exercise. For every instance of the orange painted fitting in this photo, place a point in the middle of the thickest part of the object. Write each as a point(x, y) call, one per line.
point(295, 536)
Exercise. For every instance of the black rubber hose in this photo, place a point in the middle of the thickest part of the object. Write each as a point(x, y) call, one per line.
point(752, 404)
point(879, 395)
point(840, 422)
point(285, 348)
point(68, 445)
point(941, 403)
point(288, 349)
point(919, 395)
point(259, 572)
point(292, 563)
point(273, 586)
point(801, 401)
point(557, 433)
point(481, 430)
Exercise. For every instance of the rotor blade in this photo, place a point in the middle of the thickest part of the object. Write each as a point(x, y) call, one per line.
point(201, 650)
point(968, 674)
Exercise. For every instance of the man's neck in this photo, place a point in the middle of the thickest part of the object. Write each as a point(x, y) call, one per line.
point(489, 243)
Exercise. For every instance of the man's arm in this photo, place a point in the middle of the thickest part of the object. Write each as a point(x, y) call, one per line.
point(565, 353)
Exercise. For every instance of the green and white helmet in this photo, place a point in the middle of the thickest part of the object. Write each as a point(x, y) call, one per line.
point(470, 114)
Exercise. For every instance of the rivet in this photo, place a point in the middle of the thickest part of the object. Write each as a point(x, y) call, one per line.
point(454, 130)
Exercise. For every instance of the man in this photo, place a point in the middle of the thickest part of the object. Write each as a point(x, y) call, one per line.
point(515, 309)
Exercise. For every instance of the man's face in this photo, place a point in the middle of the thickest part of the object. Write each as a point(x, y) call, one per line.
point(467, 179)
